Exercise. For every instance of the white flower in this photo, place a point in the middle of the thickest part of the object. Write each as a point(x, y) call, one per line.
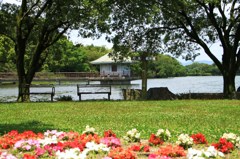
point(49, 133)
point(159, 132)
point(163, 134)
point(89, 130)
point(211, 152)
point(138, 135)
point(230, 137)
point(48, 140)
point(237, 144)
point(168, 133)
point(132, 135)
point(92, 146)
point(73, 153)
point(193, 153)
point(185, 140)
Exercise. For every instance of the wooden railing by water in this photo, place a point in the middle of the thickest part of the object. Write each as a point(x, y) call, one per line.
point(68, 76)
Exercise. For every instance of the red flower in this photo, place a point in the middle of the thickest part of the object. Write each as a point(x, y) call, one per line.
point(224, 146)
point(28, 156)
point(140, 148)
point(146, 148)
point(120, 153)
point(154, 140)
point(109, 133)
point(171, 151)
point(199, 138)
point(135, 147)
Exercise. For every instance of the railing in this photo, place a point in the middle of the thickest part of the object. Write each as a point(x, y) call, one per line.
point(77, 74)
point(51, 75)
point(115, 74)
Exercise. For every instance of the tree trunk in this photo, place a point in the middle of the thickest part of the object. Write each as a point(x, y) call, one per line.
point(144, 74)
point(23, 92)
point(24, 84)
point(144, 79)
point(229, 86)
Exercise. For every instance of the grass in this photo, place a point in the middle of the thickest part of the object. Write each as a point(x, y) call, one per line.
point(210, 117)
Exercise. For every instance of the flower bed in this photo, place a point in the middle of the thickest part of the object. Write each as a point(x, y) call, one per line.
point(73, 145)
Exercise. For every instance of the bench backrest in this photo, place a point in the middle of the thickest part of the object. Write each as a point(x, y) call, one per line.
point(44, 88)
point(93, 88)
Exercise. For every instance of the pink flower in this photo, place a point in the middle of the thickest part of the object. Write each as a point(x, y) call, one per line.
point(155, 156)
point(19, 143)
point(27, 147)
point(40, 151)
point(5, 155)
point(111, 141)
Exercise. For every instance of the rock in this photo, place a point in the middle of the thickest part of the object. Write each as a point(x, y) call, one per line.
point(238, 90)
point(160, 93)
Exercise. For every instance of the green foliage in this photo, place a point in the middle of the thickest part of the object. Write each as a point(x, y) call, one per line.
point(65, 57)
point(196, 69)
point(94, 52)
point(166, 66)
point(7, 58)
point(182, 28)
point(65, 98)
point(210, 117)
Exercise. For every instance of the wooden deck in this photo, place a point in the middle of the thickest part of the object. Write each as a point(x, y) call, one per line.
point(69, 76)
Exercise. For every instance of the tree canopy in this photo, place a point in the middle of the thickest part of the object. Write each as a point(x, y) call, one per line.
point(182, 27)
point(34, 26)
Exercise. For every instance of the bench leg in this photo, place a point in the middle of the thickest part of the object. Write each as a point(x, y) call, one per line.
point(51, 98)
point(79, 97)
point(108, 96)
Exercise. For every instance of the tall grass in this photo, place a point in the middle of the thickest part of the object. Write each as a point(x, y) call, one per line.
point(210, 117)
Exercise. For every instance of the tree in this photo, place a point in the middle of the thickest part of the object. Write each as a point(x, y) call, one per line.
point(94, 52)
point(166, 66)
point(36, 25)
point(132, 34)
point(188, 25)
point(66, 57)
point(7, 59)
point(191, 25)
point(200, 69)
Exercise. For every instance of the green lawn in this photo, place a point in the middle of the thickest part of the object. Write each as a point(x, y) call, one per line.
point(210, 117)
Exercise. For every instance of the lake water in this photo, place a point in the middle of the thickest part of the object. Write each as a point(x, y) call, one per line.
point(193, 84)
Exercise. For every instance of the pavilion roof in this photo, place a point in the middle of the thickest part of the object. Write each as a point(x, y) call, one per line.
point(107, 59)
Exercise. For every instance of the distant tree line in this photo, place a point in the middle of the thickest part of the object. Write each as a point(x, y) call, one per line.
point(67, 57)
point(167, 66)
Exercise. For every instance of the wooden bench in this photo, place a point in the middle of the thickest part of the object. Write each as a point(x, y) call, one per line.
point(36, 90)
point(93, 89)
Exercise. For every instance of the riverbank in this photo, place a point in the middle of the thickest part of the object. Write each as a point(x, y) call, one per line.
point(177, 85)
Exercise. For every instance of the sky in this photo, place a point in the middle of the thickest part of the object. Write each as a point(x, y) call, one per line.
point(102, 42)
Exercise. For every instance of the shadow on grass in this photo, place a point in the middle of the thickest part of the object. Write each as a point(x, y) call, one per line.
point(35, 126)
